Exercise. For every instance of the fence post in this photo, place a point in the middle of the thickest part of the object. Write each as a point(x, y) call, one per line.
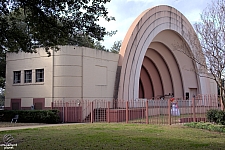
point(169, 111)
point(146, 112)
point(80, 111)
point(63, 110)
point(127, 115)
point(193, 109)
point(108, 112)
point(92, 120)
point(66, 112)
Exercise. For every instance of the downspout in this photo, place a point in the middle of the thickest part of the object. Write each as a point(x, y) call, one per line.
point(53, 55)
point(82, 74)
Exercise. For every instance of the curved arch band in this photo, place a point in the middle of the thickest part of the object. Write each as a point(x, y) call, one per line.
point(152, 36)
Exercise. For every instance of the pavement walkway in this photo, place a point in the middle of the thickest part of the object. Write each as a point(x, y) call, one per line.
point(35, 126)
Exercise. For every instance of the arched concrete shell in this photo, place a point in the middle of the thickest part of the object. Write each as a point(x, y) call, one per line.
point(140, 38)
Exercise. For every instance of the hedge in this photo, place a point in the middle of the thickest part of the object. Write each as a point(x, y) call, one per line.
point(31, 116)
point(207, 126)
point(216, 116)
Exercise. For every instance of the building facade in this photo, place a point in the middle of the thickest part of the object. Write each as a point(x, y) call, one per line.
point(146, 67)
point(71, 73)
point(150, 64)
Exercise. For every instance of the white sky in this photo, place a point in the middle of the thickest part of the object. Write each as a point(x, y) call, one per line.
point(126, 11)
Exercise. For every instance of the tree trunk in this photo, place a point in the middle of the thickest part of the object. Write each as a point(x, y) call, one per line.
point(222, 98)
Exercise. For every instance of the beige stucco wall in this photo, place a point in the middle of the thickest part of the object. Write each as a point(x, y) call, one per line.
point(70, 74)
point(67, 73)
point(84, 73)
point(99, 72)
point(28, 91)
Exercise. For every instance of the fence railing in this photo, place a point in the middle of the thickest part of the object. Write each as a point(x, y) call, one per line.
point(160, 111)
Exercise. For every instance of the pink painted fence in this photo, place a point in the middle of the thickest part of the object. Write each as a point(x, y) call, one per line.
point(158, 111)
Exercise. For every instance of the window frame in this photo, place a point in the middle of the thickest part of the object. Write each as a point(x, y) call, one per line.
point(16, 79)
point(27, 80)
point(39, 76)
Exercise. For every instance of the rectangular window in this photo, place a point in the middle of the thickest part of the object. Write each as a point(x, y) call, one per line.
point(16, 77)
point(27, 76)
point(39, 75)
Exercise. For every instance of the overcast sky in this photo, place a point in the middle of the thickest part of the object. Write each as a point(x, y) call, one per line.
point(126, 11)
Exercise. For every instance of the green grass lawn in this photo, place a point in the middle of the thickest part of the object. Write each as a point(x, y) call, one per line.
point(116, 136)
point(164, 119)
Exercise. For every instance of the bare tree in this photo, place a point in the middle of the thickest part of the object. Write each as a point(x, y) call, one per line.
point(209, 54)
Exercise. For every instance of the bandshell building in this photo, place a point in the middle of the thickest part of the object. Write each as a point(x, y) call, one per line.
point(146, 67)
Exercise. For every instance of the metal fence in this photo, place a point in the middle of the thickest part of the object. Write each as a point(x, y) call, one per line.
point(158, 111)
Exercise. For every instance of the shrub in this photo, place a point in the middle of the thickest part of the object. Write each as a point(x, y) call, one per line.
point(220, 116)
point(207, 126)
point(217, 116)
point(211, 115)
point(32, 116)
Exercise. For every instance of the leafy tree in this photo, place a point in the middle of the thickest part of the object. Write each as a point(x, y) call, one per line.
point(83, 40)
point(99, 46)
point(2, 97)
point(116, 47)
point(2, 69)
point(28, 24)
